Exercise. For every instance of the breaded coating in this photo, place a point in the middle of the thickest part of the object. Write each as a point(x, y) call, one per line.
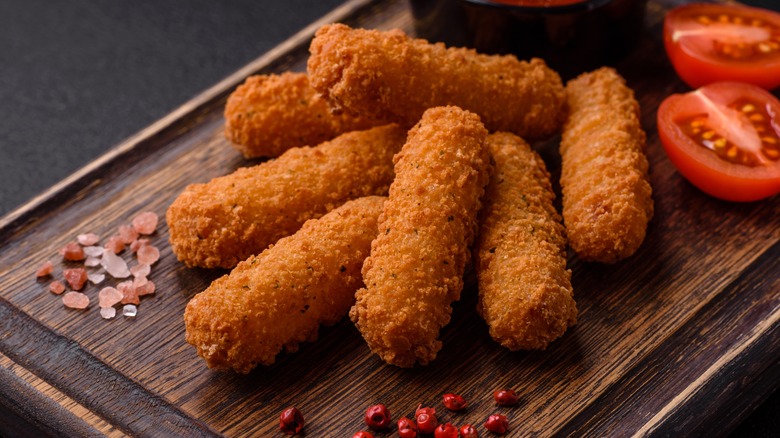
point(525, 292)
point(279, 298)
point(416, 265)
point(226, 220)
point(268, 114)
point(607, 198)
point(390, 76)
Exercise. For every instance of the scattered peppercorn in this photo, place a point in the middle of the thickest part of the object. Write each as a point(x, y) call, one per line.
point(378, 417)
point(505, 397)
point(426, 419)
point(497, 423)
point(363, 434)
point(454, 402)
point(468, 431)
point(446, 430)
point(426, 410)
point(407, 428)
point(291, 421)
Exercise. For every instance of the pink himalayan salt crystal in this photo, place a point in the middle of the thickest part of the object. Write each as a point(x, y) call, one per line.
point(93, 251)
point(45, 270)
point(115, 265)
point(88, 239)
point(56, 287)
point(140, 270)
point(114, 245)
point(145, 223)
point(91, 262)
point(107, 312)
point(138, 243)
point(72, 251)
point(127, 234)
point(96, 277)
point(139, 281)
point(148, 255)
point(129, 294)
point(75, 277)
point(109, 297)
point(75, 300)
point(147, 288)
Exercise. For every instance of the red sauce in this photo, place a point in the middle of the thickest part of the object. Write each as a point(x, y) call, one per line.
point(539, 3)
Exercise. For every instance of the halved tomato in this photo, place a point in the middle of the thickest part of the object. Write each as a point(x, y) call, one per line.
point(725, 139)
point(717, 42)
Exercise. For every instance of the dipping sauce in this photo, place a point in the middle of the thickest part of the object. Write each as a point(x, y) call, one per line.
point(539, 3)
point(572, 36)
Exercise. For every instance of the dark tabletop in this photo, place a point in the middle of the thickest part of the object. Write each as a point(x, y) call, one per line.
point(79, 76)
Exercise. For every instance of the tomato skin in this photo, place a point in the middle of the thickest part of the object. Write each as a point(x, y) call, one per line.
point(698, 69)
point(718, 178)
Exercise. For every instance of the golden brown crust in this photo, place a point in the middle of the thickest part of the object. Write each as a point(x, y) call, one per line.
point(390, 76)
point(279, 298)
point(226, 220)
point(607, 198)
point(269, 114)
point(416, 265)
point(525, 292)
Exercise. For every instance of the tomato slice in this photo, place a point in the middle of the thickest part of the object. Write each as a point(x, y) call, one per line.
point(725, 139)
point(717, 42)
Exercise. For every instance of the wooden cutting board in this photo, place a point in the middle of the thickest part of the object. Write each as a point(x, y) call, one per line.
point(683, 338)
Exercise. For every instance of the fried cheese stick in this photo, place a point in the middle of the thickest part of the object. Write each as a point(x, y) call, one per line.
point(224, 221)
point(279, 298)
point(525, 292)
point(416, 265)
point(268, 114)
point(390, 76)
point(607, 198)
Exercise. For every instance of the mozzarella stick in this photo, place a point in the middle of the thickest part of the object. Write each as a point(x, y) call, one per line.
point(268, 114)
point(390, 76)
point(607, 198)
point(416, 265)
point(525, 292)
point(279, 298)
point(226, 220)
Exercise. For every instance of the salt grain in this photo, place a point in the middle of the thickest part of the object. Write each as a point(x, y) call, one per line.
point(146, 222)
point(140, 270)
point(127, 234)
point(75, 277)
point(46, 269)
point(107, 312)
point(91, 262)
point(115, 265)
point(109, 297)
point(129, 310)
point(115, 245)
point(148, 255)
point(96, 278)
point(72, 252)
point(139, 281)
point(56, 287)
point(75, 300)
point(138, 243)
point(129, 294)
point(93, 251)
point(88, 239)
point(146, 289)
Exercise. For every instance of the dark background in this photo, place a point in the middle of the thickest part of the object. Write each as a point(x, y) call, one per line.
point(79, 76)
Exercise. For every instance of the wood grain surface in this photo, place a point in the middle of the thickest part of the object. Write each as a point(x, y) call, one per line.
point(683, 338)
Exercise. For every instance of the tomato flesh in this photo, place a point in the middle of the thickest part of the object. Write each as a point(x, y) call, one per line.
point(715, 42)
point(725, 139)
